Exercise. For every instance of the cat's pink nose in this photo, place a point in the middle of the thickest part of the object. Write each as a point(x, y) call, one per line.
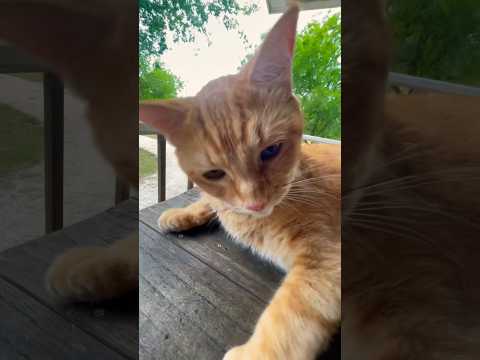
point(257, 206)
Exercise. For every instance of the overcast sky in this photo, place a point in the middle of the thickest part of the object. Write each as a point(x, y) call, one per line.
point(197, 63)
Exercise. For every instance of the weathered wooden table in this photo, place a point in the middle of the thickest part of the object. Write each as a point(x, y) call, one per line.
point(34, 326)
point(200, 294)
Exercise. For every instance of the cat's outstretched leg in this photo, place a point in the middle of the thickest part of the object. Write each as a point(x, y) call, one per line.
point(95, 273)
point(196, 214)
point(301, 319)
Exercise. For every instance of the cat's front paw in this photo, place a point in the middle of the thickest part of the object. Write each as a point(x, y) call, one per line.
point(91, 274)
point(177, 220)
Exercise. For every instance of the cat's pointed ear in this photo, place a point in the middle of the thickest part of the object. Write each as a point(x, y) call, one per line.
point(271, 65)
point(167, 117)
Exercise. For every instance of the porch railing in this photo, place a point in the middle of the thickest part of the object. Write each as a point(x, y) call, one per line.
point(412, 84)
point(13, 60)
point(161, 156)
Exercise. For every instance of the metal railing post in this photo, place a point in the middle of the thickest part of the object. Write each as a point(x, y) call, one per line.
point(122, 190)
point(53, 132)
point(161, 163)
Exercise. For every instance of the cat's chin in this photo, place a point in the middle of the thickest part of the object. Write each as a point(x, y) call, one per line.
point(265, 212)
point(255, 214)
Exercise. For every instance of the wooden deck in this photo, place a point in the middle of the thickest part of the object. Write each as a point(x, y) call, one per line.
point(34, 326)
point(200, 294)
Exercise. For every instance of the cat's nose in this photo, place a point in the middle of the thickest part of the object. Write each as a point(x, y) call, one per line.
point(257, 206)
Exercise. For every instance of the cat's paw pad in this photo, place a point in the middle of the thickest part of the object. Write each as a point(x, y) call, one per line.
point(178, 220)
point(90, 274)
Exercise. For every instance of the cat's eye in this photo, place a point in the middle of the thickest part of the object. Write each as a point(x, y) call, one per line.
point(270, 152)
point(215, 174)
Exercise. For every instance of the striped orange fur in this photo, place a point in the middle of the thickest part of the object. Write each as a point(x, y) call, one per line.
point(225, 128)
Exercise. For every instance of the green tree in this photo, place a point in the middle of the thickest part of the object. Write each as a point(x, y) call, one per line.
point(437, 39)
point(183, 20)
point(317, 76)
point(158, 83)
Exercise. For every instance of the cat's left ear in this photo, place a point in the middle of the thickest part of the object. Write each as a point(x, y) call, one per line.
point(168, 117)
point(271, 65)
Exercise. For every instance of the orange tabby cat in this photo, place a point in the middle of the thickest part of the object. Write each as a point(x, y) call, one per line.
point(411, 209)
point(239, 139)
point(92, 45)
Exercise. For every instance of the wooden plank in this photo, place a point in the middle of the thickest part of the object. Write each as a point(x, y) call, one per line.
point(231, 300)
point(209, 244)
point(189, 296)
point(183, 269)
point(187, 307)
point(167, 332)
point(31, 330)
point(115, 323)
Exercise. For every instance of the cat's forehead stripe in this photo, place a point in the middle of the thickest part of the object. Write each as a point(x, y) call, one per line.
point(209, 137)
point(233, 125)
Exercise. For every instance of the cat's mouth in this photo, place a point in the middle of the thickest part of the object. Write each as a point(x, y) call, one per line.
point(264, 212)
point(256, 208)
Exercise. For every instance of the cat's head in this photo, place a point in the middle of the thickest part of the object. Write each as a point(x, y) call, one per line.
point(239, 138)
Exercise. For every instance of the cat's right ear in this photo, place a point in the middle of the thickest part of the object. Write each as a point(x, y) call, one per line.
point(271, 65)
point(167, 117)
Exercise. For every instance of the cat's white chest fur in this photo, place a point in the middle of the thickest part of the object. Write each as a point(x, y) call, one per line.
point(255, 234)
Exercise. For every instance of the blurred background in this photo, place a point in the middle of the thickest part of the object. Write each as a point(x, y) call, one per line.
point(24, 99)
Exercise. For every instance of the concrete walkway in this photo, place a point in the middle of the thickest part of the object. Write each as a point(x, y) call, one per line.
point(22, 191)
point(176, 180)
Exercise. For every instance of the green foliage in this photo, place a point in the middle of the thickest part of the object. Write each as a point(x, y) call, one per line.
point(437, 39)
point(317, 76)
point(158, 83)
point(147, 163)
point(183, 19)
